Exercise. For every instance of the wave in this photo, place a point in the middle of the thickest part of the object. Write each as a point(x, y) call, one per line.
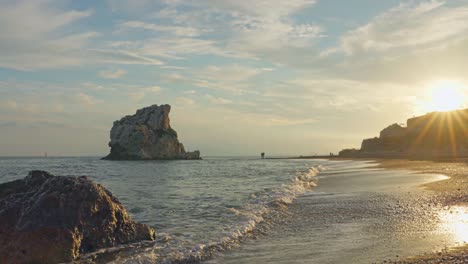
point(262, 211)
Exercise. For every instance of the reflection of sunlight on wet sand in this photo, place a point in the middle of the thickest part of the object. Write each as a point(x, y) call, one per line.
point(455, 222)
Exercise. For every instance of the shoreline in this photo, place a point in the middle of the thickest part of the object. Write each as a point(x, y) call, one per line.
point(453, 191)
point(455, 169)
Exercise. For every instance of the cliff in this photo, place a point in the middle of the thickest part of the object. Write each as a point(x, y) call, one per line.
point(147, 135)
point(434, 135)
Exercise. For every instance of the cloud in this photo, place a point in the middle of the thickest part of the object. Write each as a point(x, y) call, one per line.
point(229, 73)
point(409, 26)
point(9, 105)
point(255, 120)
point(190, 92)
point(275, 121)
point(184, 101)
point(33, 38)
point(168, 47)
point(260, 28)
point(129, 6)
point(185, 31)
point(261, 8)
point(85, 100)
point(58, 108)
point(120, 56)
point(112, 74)
point(139, 94)
point(218, 100)
point(214, 82)
point(263, 37)
point(153, 89)
point(337, 95)
point(237, 29)
point(173, 67)
point(40, 35)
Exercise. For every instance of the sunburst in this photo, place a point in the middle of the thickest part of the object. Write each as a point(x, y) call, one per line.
point(442, 96)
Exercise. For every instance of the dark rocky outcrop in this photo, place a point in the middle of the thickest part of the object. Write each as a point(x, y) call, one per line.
point(434, 135)
point(51, 219)
point(147, 135)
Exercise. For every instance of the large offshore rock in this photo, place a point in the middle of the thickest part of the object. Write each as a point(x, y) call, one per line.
point(147, 135)
point(50, 219)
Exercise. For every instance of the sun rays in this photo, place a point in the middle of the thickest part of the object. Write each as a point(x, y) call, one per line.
point(440, 132)
point(442, 96)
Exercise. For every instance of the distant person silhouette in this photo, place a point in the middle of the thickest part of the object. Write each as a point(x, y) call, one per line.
point(263, 155)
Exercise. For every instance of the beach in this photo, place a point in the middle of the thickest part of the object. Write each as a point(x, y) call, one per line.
point(282, 210)
point(453, 192)
point(356, 207)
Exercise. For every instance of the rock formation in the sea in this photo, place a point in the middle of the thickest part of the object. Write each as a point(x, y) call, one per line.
point(54, 219)
point(147, 135)
point(434, 135)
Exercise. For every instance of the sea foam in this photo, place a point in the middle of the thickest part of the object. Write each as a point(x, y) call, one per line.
point(262, 211)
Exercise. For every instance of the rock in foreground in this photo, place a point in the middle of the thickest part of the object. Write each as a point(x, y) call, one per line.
point(147, 135)
point(50, 219)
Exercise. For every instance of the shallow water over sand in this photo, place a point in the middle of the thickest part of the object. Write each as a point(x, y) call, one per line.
point(356, 215)
point(241, 210)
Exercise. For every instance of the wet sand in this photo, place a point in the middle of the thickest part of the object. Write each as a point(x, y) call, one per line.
point(453, 193)
point(356, 214)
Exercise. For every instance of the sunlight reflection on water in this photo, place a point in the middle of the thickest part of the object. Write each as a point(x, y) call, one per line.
point(455, 222)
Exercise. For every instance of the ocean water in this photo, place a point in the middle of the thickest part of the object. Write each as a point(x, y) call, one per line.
point(248, 210)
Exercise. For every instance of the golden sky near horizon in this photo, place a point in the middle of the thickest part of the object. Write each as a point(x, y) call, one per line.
point(243, 77)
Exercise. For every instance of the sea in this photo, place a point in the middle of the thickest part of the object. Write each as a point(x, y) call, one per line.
point(251, 210)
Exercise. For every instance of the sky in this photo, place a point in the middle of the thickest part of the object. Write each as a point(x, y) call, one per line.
point(296, 77)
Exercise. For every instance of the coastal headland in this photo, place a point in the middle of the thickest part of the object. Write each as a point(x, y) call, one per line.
point(435, 135)
point(435, 143)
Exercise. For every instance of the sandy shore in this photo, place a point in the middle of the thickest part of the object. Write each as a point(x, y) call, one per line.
point(453, 191)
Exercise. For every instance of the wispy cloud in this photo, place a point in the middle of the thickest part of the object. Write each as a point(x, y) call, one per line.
point(184, 101)
point(217, 78)
point(185, 31)
point(112, 74)
point(290, 65)
point(409, 25)
point(85, 99)
point(218, 100)
point(120, 56)
point(33, 38)
point(231, 73)
point(138, 94)
point(250, 30)
point(9, 104)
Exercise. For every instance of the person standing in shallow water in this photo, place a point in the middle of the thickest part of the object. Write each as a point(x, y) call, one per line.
point(262, 155)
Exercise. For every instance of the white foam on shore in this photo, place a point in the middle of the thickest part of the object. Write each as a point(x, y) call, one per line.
point(263, 208)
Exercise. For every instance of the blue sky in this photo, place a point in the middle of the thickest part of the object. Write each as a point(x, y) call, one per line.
point(284, 77)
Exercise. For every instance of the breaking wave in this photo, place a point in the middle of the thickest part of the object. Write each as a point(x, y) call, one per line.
point(263, 210)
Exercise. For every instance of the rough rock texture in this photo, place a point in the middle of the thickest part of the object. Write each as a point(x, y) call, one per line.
point(147, 135)
point(49, 219)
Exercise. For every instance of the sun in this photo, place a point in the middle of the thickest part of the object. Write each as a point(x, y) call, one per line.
point(442, 96)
